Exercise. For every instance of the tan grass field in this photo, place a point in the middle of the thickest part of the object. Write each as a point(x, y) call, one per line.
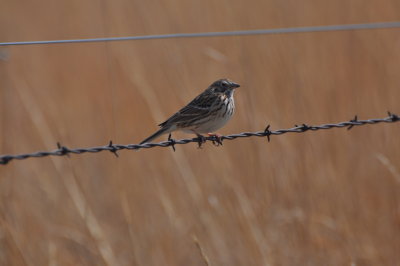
point(319, 198)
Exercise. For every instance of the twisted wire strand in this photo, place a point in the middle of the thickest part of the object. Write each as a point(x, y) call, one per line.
point(217, 140)
point(327, 28)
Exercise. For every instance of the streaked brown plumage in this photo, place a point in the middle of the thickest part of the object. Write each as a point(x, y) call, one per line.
point(206, 113)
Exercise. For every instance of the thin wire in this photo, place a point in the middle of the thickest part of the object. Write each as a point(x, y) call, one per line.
point(378, 25)
point(63, 151)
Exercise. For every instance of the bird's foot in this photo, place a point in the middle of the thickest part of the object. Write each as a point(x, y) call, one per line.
point(217, 141)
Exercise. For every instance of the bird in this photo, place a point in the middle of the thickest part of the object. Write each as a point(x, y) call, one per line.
point(205, 114)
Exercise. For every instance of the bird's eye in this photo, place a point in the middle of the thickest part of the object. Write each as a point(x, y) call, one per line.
point(224, 84)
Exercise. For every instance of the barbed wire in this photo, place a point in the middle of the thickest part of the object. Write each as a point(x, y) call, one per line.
point(342, 27)
point(216, 140)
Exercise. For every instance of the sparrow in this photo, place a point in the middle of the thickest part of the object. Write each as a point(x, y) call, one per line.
point(205, 114)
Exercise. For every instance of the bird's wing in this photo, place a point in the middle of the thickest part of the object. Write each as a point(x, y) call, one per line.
point(198, 107)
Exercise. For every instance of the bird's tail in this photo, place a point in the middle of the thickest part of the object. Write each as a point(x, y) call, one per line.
point(160, 132)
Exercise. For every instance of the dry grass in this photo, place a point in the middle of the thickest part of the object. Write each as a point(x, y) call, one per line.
point(321, 198)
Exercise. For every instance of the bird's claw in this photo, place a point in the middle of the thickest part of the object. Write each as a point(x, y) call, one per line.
point(217, 141)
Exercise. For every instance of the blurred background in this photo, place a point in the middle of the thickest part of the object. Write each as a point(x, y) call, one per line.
point(319, 198)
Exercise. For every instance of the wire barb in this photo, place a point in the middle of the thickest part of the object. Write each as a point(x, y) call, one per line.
point(63, 150)
point(171, 141)
point(5, 159)
point(268, 133)
point(304, 127)
point(200, 140)
point(393, 117)
point(113, 149)
point(352, 121)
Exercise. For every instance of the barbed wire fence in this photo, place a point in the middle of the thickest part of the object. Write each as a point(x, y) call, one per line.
point(216, 140)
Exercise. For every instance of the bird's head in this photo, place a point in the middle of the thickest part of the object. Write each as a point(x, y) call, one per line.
point(224, 86)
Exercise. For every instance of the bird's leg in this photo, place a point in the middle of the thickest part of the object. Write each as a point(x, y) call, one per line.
point(218, 139)
point(202, 140)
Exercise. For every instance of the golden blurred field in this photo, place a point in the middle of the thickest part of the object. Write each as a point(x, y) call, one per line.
point(319, 198)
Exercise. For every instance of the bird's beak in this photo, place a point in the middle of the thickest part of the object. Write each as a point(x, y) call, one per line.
point(234, 85)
